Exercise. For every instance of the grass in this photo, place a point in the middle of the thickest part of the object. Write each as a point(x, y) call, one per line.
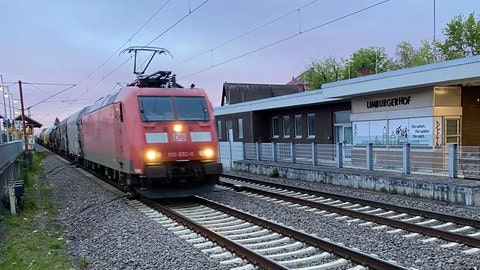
point(33, 239)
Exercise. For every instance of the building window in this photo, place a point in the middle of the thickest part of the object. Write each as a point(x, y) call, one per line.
point(286, 126)
point(311, 125)
point(219, 129)
point(298, 126)
point(229, 128)
point(240, 128)
point(275, 129)
point(452, 131)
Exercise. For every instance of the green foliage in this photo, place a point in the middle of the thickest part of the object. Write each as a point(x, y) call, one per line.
point(83, 263)
point(462, 38)
point(384, 190)
point(392, 191)
point(323, 71)
point(372, 58)
point(32, 239)
point(408, 56)
point(274, 173)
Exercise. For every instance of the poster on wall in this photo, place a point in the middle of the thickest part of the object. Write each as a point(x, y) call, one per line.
point(421, 131)
point(378, 133)
point(399, 131)
point(416, 131)
point(361, 134)
point(396, 132)
point(437, 131)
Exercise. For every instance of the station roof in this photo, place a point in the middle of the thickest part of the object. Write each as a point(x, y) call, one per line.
point(29, 121)
point(458, 72)
point(234, 93)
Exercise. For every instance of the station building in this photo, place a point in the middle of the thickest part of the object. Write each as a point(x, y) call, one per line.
point(427, 106)
point(358, 132)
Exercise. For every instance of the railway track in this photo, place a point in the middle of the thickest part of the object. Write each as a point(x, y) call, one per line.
point(241, 247)
point(411, 222)
point(244, 241)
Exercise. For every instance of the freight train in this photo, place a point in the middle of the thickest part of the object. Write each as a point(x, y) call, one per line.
point(152, 137)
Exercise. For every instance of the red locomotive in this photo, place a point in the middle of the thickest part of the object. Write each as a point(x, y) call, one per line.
point(152, 136)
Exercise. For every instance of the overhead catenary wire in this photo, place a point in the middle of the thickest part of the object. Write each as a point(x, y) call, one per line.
point(244, 34)
point(127, 41)
point(190, 11)
point(285, 39)
point(211, 51)
point(157, 37)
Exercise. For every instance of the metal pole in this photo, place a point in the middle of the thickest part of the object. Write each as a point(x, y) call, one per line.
point(10, 103)
point(369, 164)
point(434, 34)
point(452, 160)
point(406, 158)
point(25, 137)
point(339, 149)
point(12, 115)
point(4, 106)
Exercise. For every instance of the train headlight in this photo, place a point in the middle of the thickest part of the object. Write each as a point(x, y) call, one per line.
point(207, 153)
point(177, 128)
point(152, 156)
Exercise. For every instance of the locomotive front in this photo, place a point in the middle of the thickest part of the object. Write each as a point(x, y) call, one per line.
point(177, 142)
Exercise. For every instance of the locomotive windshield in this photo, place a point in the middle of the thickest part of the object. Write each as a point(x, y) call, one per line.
point(164, 108)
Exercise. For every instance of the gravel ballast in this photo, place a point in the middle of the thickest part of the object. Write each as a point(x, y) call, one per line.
point(104, 232)
point(410, 252)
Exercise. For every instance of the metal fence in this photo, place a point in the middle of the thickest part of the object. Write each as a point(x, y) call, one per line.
point(452, 160)
point(9, 169)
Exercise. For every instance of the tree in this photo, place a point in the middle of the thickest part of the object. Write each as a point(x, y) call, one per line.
point(408, 56)
point(323, 71)
point(462, 38)
point(405, 53)
point(372, 58)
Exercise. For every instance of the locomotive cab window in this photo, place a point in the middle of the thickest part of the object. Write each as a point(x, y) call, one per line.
point(156, 109)
point(164, 108)
point(191, 108)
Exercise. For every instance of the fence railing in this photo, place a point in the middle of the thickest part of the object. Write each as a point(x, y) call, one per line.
point(9, 152)
point(452, 160)
point(9, 170)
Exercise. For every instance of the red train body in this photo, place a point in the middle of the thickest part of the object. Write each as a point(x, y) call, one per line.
point(152, 137)
point(160, 141)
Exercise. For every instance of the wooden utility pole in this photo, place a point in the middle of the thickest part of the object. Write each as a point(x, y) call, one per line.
point(26, 152)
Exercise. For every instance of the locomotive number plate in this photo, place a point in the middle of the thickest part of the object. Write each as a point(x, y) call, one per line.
point(179, 137)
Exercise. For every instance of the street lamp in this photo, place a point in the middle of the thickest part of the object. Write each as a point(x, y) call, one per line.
point(11, 103)
point(4, 108)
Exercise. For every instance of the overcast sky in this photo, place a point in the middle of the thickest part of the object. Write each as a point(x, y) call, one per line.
point(51, 45)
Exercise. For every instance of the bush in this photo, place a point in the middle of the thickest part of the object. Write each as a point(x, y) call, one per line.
point(274, 173)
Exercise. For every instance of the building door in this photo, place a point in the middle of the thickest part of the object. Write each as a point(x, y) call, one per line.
point(343, 133)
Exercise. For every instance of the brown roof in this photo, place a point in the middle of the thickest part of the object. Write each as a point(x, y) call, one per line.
point(29, 121)
point(234, 93)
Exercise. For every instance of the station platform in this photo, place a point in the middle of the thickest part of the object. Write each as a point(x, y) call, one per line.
point(451, 190)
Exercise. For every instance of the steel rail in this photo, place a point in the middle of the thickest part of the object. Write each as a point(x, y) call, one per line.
point(412, 211)
point(255, 258)
point(450, 236)
point(342, 251)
